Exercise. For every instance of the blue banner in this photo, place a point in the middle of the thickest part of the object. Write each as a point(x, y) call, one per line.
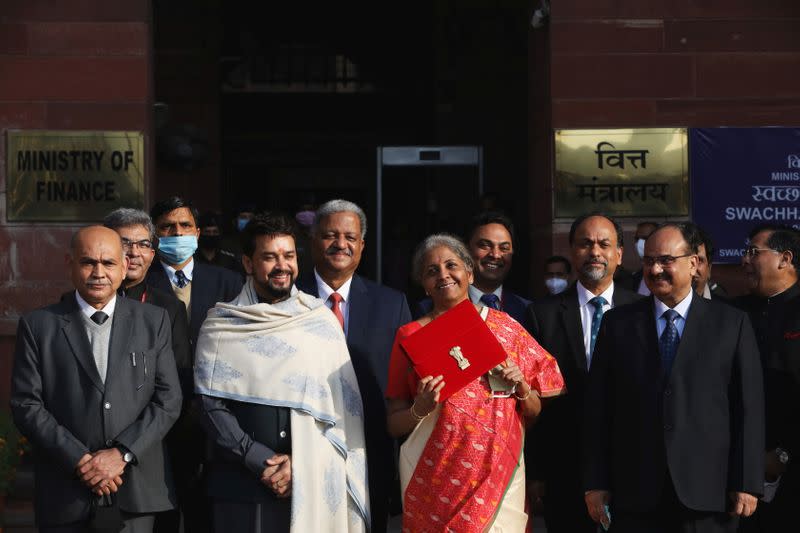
point(740, 178)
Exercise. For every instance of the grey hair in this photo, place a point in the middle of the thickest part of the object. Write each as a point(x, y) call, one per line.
point(125, 217)
point(453, 243)
point(340, 206)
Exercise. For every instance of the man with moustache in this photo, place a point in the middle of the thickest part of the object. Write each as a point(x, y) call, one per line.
point(566, 325)
point(199, 286)
point(770, 264)
point(280, 401)
point(95, 390)
point(369, 315)
point(490, 239)
point(674, 420)
point(139, 241)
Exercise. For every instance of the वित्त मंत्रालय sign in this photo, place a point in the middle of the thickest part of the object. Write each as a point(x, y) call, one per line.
point(621, 172)
point(72, 176)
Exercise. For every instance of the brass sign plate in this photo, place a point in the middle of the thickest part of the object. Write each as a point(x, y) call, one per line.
point(72, 176)
point(621, 172)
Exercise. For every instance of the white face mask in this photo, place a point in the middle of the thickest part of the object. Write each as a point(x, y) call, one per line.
point(640, 248)
point(556, 285)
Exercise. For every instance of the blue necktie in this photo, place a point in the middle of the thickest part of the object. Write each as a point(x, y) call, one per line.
point(598, 302)
point(181, 279)
point(668, 343)
point(491, 300)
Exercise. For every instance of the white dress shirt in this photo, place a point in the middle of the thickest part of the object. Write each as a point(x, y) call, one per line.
point(88, 310)
point(187, 271)
point(587, 313)
point(475, 295)
point(683, 310)
point(324, 292)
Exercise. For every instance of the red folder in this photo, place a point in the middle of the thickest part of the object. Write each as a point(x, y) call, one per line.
point(457, 345)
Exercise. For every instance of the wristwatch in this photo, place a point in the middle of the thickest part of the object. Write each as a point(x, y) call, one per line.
point(127, 456)
point(783, 455)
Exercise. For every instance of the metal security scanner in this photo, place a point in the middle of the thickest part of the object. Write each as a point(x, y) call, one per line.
point(423, 158)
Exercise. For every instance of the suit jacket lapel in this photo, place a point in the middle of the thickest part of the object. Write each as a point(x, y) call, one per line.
point(78, 341)
point(156, 277)
point(121, 329)
point(645, 329)
point(358, 309)
point(692, 330)
point(571, 321)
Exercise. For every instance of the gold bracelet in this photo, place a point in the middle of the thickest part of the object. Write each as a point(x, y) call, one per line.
point(523, 398)
point(415, 415)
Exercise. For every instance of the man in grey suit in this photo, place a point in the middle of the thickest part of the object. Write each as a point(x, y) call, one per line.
point(95, 390)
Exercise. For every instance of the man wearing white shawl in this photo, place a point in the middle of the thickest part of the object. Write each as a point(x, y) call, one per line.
point(280, 401)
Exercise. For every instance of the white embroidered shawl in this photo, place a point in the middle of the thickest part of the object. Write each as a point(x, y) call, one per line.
point(293, 354)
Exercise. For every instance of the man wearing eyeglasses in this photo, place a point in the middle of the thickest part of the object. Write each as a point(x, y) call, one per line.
point(138, 241)
point(770, 265)
point(674, 420)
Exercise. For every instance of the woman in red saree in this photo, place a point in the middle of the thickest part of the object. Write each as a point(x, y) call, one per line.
point(461, 466)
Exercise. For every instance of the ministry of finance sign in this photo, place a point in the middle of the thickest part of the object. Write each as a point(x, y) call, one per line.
point(622, 172)
point(72, 176)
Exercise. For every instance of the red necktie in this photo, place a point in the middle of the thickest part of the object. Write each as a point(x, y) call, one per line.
point(336, 299)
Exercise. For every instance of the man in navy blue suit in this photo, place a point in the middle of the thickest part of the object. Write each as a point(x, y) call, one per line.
point(490, 240)
point(199, 286)
point(370, 315)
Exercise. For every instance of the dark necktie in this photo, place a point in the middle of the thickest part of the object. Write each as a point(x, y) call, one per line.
point(99, 317)
point(336, 299)
point(598, 302)
point(491, 300)
point(181, 278)
point(668, 343)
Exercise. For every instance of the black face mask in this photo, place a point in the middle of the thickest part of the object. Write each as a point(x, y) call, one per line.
point(209, 242)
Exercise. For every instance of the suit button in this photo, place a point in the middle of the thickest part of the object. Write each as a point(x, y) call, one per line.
point(667, 427)
point(109, 443)
point(107, 405)
point(667, 391)
point(282, 434)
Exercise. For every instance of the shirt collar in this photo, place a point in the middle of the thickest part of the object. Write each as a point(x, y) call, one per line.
point(187, 270)
point(682, 308)
point(324, 291)
point(88, 310)
point(475, 293)
point(584, 294)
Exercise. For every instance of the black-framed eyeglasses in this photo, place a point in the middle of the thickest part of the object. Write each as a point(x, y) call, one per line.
point(663, 260)
point(752, 251)
point(144, 244)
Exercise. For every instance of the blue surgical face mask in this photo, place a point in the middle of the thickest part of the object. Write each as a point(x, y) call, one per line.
point(241, 222)
point(556, 285)
point(176, 250)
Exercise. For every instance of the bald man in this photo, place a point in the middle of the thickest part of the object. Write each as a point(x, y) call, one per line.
point(95, 390)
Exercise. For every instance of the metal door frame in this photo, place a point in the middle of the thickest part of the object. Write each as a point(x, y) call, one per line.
point(419, 156)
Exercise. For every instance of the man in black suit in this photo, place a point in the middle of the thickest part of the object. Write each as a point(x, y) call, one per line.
point(770, 264)
point(197, 285)
point(563, 324)
point(370, 315)
point(490, 240)
point(703, 284)
point(674, 405)
point(139, 241)
point(95, 390)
